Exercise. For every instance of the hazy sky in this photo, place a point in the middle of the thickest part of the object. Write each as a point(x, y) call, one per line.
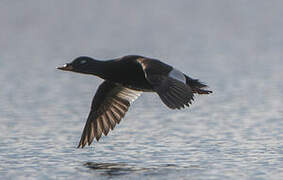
point(160, 28)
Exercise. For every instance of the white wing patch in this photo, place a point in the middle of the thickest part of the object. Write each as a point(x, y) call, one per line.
point(127, 94)
point(178, 75)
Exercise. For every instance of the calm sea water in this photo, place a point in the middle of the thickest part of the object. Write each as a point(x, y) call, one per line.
point(234, 133)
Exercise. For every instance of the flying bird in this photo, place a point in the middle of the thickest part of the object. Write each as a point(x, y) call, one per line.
point(125, 79)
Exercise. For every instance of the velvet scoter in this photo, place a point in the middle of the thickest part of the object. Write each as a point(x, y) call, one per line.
point(125, 79)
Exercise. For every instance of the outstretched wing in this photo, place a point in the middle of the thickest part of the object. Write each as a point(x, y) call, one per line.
point(109, 106)
point(173, 93)
point(168, 82)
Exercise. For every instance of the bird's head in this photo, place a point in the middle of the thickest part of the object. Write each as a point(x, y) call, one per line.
point(80, 65)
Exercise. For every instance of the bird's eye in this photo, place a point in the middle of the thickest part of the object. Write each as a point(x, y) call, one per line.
point(82, 61)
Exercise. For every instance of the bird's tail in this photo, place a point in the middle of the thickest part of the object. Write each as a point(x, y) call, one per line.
point(197, 86)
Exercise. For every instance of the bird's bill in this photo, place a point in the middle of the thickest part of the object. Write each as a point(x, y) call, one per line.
point(65, 67)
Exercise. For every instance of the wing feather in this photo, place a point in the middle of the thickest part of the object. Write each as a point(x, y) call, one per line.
point(173, 93)
point(167, 82)
point(109, 106)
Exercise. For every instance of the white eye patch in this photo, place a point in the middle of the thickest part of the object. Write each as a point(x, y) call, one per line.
point(82, 61)
point(178, 75)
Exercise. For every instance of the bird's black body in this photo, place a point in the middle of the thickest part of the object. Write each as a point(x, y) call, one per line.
point(129, 73)
point(125, 79)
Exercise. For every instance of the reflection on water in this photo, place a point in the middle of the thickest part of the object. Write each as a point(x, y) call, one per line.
point(112, 169)
point(122, 169)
